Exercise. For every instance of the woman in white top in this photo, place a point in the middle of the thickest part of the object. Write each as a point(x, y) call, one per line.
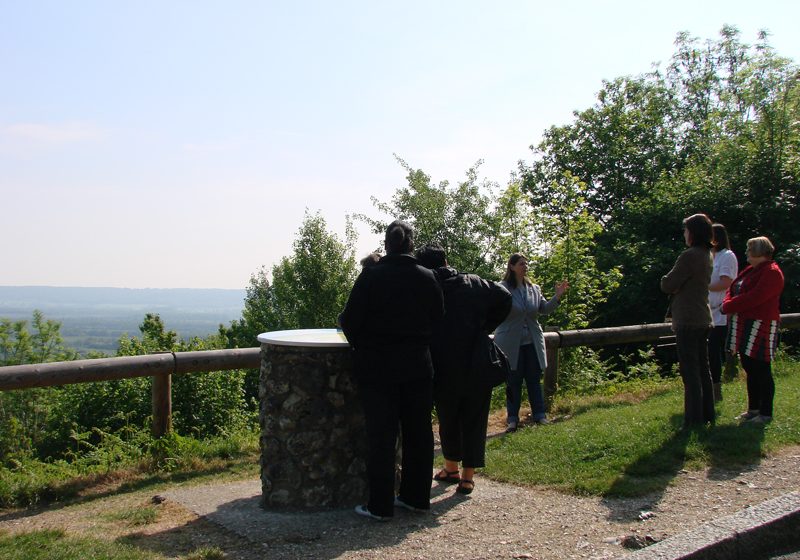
point(521, 338)
point(725, 270)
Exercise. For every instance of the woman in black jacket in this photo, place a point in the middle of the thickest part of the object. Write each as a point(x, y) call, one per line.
point(472, 306)
point(388, 321)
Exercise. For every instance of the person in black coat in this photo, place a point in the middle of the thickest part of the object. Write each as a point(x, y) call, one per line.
point(472, 305)
point(388, 320)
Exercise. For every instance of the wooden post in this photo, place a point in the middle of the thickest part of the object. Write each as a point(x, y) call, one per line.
point(162, 404)
point(550, 376)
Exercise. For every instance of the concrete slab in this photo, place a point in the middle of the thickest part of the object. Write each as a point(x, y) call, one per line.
point(752, 533)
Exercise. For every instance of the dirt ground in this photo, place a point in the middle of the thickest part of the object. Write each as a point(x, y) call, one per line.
point(495, 521)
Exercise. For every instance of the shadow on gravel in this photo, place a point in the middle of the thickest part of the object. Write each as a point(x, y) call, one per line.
point(729, 449)
point(68, 493)
point(275, 535)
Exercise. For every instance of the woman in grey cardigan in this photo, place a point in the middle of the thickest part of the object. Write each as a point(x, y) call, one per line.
point(687, 283)
point(521, 338)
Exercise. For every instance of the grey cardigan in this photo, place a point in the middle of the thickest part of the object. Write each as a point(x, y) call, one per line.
point(509, 334)
point(687, 282)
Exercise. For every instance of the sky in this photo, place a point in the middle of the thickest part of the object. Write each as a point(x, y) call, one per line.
point(178, 144)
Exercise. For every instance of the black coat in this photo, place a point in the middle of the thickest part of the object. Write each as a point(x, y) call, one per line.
point(472, 305)
point(389, 319)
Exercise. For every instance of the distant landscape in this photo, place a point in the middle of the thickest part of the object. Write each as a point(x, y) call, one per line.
point(95, 318)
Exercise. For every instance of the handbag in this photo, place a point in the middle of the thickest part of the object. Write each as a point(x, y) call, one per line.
point(489, 364)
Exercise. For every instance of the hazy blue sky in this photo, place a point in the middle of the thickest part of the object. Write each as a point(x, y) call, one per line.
point(178, 143)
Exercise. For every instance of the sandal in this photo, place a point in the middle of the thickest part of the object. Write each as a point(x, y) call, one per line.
point(449, 477)
point(463, 488)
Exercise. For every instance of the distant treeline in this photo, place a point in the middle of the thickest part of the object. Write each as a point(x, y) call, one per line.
point(93, 319)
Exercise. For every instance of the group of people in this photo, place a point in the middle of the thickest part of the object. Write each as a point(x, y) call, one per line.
point(413, 322)
point(715, 310)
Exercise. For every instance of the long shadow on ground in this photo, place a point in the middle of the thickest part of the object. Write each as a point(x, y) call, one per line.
point(728, 449)
point(278, 535)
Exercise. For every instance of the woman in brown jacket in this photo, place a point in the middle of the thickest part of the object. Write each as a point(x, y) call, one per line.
point(687, 283)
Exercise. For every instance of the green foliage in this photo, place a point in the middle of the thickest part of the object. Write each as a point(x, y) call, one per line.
point(461, 219)
point(86, 418)
point(43, 344)
point(716, 133)
point(25, 415)
point(95, 456)
point(202, 403)
point(308, 290)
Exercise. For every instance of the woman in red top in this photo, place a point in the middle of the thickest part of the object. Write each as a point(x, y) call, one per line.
point(753, 309)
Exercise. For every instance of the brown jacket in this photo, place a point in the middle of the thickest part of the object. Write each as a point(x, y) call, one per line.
point(688, 283)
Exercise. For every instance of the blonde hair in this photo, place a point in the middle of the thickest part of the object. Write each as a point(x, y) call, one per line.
point(760, 247)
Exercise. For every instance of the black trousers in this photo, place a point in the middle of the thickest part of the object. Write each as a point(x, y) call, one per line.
point(760, 384)
point(698, 392)
point(463, 414)
point(387, 408)
point(716, 351)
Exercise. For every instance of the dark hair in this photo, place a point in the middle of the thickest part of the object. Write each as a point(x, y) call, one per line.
point(721, 240)
point(432, 256)
point(510, 277)
point(370, 260)
point(699, 228)
point(399, 238)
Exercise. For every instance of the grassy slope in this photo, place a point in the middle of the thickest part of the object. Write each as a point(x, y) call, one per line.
point(631, 449)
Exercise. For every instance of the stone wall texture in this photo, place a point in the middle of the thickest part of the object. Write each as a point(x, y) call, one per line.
point(313, 443)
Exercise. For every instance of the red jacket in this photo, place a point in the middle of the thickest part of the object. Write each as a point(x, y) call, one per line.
point(755, 293)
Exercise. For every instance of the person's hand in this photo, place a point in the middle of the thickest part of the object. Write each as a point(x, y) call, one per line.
point(561, 287)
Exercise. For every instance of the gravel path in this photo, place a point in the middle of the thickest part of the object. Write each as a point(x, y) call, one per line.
point(497, 520)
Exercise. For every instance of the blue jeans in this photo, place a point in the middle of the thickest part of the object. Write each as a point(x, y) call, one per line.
point(529, 369)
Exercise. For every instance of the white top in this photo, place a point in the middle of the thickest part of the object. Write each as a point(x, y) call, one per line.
point(329, 338)
point(725, 264)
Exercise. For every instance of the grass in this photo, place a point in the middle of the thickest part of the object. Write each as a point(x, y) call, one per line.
point(135, 516)
point(633, 446)
point(56, 545)
point(174, 460)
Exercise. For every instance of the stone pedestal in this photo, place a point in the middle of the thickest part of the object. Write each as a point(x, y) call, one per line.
point(313, 444)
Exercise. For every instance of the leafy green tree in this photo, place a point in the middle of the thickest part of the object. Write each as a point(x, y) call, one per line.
point(461, 219)
point(43, 344)
point(309, 289)
point(716, 133)
point(516, 224)
point(25, 414)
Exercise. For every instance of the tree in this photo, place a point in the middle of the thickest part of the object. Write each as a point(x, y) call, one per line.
point(25, 414)
point(44, 344)
point(717, 133)
point(308, 290)
point(461, 219)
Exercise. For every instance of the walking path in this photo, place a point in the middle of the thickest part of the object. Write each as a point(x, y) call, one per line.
point(496, 521)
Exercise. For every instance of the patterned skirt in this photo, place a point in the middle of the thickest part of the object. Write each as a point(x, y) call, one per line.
point(753, 337)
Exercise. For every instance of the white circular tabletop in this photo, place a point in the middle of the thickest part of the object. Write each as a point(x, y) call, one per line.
point(305, 337)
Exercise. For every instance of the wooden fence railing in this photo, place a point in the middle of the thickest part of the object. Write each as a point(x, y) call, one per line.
point(162, 366)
